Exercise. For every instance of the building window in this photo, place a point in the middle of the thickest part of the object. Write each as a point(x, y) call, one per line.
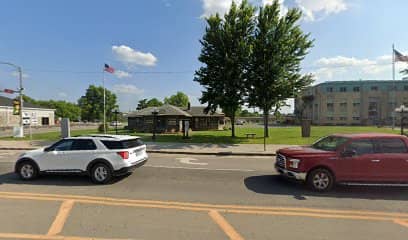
point(356, 118)
point(329, 89)
point(330, 107)
point(392, 88)
point(343, 107)
point(343, 118)
point(356, 104)
point(373, 109)
point(343, 89)
point(406, 88)
point(330, 118)
point(356, 89)
point(374, 88)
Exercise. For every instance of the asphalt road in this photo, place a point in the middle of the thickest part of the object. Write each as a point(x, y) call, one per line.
point(195, 197)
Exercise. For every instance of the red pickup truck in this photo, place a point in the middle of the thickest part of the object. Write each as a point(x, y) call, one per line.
point(352, 159)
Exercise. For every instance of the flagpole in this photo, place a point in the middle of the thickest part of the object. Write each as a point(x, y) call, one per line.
point(393, 62)
point(393, 91)
point(104, 103)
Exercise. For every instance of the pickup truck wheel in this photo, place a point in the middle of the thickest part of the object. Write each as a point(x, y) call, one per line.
point(101, 173)
point(320, 180)
point(27, 170)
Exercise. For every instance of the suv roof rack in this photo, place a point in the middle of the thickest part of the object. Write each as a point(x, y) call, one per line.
point(99, 135)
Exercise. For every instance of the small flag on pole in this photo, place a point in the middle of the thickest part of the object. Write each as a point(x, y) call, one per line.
point(399, 57)
point(109, 69)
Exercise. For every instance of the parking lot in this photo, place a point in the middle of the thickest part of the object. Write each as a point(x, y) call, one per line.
point(200, 197)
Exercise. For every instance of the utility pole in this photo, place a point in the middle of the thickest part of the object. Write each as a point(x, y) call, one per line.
point(20, 90)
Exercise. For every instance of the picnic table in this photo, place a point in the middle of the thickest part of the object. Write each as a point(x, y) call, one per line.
point(250, 134)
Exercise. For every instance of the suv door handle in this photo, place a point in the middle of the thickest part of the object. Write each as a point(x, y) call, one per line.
point(375, 160)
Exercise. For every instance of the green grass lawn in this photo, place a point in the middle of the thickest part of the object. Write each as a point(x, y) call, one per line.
point(277, 135)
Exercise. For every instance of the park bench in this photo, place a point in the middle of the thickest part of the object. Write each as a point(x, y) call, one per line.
point(250, 134)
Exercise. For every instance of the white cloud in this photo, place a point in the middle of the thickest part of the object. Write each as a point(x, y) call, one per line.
point(211, 7)
point(122, 74)
point(127, 89)
point(312, 9)
point(62, 95)
point(16, 74)
point(318, 9)
point(130, 56)
point(352, 68)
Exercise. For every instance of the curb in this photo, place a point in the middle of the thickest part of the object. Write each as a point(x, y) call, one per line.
point(184, 152)
point(214, 153)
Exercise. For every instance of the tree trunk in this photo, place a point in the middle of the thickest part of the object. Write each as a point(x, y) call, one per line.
point(266, 120)
point(233, 125)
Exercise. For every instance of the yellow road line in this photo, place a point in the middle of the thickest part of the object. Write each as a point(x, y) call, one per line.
point(314, 215)
point(61, 218)
point(46, 237)
point(56, 197)
point(401, 222)
point(224, 225)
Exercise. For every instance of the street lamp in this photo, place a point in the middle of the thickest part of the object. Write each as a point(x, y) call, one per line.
point(20, 76)
point(116, 112)
point(155, 112)
point(401, 110)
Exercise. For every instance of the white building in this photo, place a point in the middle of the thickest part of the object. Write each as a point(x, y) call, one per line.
point(36, 115)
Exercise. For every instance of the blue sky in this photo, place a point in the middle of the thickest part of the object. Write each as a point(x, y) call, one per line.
point(62, 45)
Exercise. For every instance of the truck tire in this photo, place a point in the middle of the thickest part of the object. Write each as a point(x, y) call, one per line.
point(320, 180)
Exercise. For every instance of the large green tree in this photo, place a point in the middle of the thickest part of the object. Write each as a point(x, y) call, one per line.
point(179, 99)
point(91, 104)
point(154, 102)
point(279, 46)
point(63, 109)
point(225, 51)
point(144, 103)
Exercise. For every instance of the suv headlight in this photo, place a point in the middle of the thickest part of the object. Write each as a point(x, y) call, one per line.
point(294, 163)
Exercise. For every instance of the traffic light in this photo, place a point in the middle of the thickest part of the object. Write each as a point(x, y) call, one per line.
point(16, 107)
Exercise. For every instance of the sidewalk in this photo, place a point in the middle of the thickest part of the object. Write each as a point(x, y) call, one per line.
point(172, 148)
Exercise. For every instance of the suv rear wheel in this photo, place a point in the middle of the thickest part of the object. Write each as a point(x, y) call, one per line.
point(101, 173)
point(320, 180)
point(27, 170)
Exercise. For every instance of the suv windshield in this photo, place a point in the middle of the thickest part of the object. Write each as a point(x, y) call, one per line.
point(330, 143)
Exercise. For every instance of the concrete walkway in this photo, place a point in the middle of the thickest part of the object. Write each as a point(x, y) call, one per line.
point(172, 148)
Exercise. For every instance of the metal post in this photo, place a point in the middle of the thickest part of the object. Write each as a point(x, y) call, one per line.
point(402, 121)
point(116, 121)
point(20, 74)
point(154, 126)
point(393, 90)
point(104, 103)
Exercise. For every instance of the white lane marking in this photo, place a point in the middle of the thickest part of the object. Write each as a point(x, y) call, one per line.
point(201, 168)
point(189, 160)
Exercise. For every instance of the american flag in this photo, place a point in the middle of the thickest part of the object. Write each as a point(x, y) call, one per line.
point(399, 57)
point(109, 69)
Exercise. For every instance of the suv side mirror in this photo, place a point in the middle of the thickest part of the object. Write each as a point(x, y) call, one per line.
point(349, 153)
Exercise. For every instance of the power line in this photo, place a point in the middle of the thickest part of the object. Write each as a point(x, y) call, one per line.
point(100, 72)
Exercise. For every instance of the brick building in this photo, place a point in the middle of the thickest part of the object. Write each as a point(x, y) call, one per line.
point(364, 102)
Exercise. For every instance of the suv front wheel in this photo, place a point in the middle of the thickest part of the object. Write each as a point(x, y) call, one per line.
point(320, 180)
point(27, 170)
point(101, 173)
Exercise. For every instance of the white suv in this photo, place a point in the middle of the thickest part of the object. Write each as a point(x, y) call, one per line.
point(99, 156)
